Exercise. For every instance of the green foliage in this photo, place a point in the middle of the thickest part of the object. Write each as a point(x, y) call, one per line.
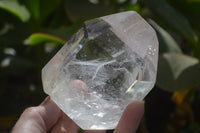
point(178, 72)
point(32, 31)
point(167, 43)
point(172, 19)
point(34, 8)
point(39, 38)
point(14, 8)
point(78, 11)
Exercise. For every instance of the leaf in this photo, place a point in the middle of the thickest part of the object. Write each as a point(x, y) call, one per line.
point(34, 8)
point(38, 38)
point(166, 42)
point(172, 19)
point(178, 72)
point(134, 7)
point(47, 7)
point(191, 5)
point(190, 8)
point(64, 33)
point(41, 9)
point(13, 7)
point(83, 9)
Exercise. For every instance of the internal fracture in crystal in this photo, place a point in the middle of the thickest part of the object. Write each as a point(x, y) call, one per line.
point(110, 62)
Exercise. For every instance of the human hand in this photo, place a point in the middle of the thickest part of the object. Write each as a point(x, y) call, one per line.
point(47, 115)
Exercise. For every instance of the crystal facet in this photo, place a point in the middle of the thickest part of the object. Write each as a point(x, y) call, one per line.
point(110, 62)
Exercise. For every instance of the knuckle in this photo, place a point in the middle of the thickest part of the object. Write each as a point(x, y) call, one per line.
point(31, 111)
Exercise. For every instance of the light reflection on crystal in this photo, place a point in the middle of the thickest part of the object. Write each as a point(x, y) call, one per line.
point(102, 69)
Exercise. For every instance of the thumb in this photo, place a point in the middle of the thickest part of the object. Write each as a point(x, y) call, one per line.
point(131, 117)
point(38, 119)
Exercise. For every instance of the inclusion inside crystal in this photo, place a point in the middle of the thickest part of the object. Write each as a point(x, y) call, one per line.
point(97, 74)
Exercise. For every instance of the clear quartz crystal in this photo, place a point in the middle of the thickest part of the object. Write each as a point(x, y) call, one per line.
point(110, 62)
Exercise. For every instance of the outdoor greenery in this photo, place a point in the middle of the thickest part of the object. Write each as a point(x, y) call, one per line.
point(32, 31)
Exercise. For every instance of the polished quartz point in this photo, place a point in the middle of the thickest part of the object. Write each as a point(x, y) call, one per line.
point(110, 62)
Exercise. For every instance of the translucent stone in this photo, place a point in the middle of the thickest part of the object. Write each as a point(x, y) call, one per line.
point(110, 62)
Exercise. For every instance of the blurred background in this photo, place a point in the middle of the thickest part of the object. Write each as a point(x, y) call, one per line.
point(32, 31)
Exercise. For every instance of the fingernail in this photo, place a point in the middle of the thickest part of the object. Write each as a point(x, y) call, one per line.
point(138, 102)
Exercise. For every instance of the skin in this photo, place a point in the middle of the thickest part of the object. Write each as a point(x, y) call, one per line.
point(47, 115)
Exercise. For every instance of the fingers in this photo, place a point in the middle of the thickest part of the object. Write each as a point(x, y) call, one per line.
point(49, 112)
point(77, 88)
point(95, 131)
point(38, 119)
point(65, 125)
point(131, 118)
